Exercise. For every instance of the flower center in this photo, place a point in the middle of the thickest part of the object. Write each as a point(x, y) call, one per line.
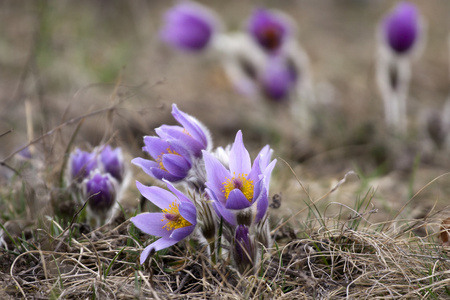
point(159, 159)
point(172, 215)
point(271, 38)
point(241, 183)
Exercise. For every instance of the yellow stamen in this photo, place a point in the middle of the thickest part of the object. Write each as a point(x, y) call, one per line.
point(159, 159)
point(172, 215)
point(239, 182)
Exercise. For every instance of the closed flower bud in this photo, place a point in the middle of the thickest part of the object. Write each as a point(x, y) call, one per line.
point(80, 164)
point(245, 252)
point(401, 28)
point(100, 190)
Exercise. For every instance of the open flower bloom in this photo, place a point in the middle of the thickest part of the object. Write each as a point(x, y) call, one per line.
point(401, 28)
point(175, 222)
point(171, 160)
point(269, 29)
point(112, 162)
point(193, 135)
point(101, 192)
point(237, 189)
point(189, 26)
point(81, 163)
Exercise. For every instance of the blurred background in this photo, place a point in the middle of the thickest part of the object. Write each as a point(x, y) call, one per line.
point(61, 60)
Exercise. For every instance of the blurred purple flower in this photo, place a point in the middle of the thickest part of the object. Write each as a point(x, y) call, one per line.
point(278, 79)
point(401, 27)
point(112, 162)
point(189, 26)
point(101, 190)
point(81, 163)
point(194, 136)
point(236, 189)
point(171, 160)
point(176, 221)
point(268, 28)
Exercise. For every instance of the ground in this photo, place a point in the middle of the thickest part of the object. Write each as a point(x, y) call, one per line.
point(97, 72)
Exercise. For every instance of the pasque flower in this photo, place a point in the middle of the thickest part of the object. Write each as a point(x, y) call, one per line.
point(175, 222)
point(236, 189)
point(268, 28)
point(81, 163)
point(171, 160)
point(401, 27)
point(189, 26)
point(176, 149)
point(278, 79)
point(112, 162)
point(193, 135)
point(100, 190)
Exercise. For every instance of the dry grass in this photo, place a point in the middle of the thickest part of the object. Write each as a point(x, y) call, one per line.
point(332, 263)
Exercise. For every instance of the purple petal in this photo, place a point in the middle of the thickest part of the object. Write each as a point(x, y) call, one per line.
point(237, 200)
point(188, 212)
point(182, 197)
point(155, 146)
point(158, 196)
point(226, 214)
point(181, 233)
point(162, 243)
point(268, 172)
point(146, 165)
point(216, 174)
point(262, 204)
point(151, 223)
point(191, 125)
point(178, 133)
point(161, 175)
point(240, 162)
point(176, 164)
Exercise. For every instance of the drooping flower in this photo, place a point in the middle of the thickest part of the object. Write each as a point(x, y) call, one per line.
point(401, 27)
point(101, 192)
point(235, 190)
point(244, 251)
point(189, 26)
point(278, 79)
point(269, 29)
point(112, 162)
point(171, 160)
point(193, 135)
point(175, 222)
point(81, 163)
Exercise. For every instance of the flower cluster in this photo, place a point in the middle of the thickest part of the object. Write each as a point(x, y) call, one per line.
point(98, 177)
point(263, 60)
point(221, 187)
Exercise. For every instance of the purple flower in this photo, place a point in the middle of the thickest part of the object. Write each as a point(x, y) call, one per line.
point(401, 27)
point(112, 162)
point(101, 191)
point(234, 191)
point(194, 136)
point(269, 29)
point(189, 26)
point(244, 249)
point(176, 221)
point(278, 79)
point(171, 160)
point(81, 163)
